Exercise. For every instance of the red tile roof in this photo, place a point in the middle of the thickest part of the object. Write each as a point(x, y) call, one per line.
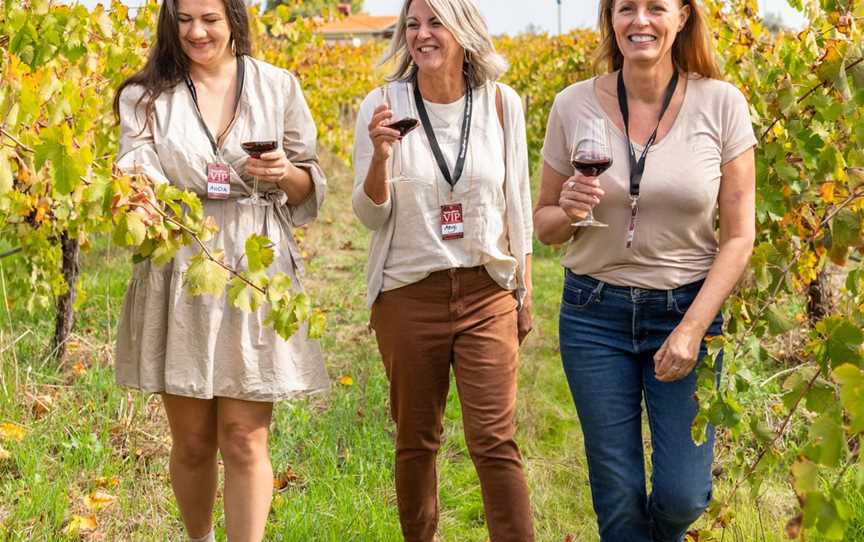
point(358, 24)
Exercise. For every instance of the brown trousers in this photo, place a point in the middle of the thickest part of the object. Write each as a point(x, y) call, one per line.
point(458, 317)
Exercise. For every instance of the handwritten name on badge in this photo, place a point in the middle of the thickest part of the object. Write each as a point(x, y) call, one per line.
point(452, 226)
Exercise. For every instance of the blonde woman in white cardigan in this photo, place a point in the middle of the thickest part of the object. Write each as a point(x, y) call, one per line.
point(448, 202)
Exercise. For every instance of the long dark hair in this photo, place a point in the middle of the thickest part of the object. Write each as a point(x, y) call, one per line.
point(167, 64)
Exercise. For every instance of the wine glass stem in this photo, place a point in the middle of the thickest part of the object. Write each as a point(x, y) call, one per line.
point(255, 186)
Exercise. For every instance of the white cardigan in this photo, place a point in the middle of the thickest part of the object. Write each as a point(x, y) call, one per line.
point(517, 191)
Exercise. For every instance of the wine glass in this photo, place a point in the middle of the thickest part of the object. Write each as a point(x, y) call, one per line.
point(404, 126)
point(591, 155)
point(255, 149)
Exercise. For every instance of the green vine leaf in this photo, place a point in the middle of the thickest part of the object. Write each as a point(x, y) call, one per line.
point(204, 276)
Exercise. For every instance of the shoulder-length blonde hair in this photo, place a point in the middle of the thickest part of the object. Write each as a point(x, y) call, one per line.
point(464, 21)
point(692, 52)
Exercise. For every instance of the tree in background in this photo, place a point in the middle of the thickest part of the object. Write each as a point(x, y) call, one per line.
point(310, 8)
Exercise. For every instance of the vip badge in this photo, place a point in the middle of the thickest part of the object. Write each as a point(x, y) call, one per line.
point(452, 225)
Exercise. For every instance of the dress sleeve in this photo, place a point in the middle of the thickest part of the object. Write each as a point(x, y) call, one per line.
point(299, 142)
point(137, 152)
point(738, 135)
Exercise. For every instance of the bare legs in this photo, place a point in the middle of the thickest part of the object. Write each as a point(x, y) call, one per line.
point(243, 430)
point(239, 429)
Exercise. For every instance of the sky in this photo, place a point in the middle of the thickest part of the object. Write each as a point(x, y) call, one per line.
point(514, 16)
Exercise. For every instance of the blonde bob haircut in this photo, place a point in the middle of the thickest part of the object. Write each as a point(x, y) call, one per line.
point(463, 20)
point(692, 52)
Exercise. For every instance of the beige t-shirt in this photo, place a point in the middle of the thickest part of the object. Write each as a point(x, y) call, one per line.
point(676, 241)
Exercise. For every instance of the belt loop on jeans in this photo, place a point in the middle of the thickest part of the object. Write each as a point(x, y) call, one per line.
point(670, 300)
point(598, 291)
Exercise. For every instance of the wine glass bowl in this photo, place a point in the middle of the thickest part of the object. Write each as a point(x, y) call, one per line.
point(404, 126)
point(591, 155)
point(255, 149)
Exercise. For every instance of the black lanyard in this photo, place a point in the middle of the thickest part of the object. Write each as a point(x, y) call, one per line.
point(463, 138)
point(241, 73)
point(637, 167)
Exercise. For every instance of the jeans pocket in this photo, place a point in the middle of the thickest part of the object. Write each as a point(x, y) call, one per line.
point(575, 298)
point(681, 303)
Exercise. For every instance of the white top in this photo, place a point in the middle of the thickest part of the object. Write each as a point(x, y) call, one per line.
point(676, 241)
point(407, 244)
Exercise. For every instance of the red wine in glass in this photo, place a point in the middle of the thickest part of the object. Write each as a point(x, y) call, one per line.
point(255, 149)
point(404, 126)
point(592, 166)
point(591, 155)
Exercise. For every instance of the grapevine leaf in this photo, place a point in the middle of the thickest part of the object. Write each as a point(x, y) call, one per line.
point(778, 321)
point(57, 148)
point(243, 296)
point(826, 440)
point(130, 230)
point(821, 512)
point(280, 288)
point(283, 320)
point(820, 397)
point(844, 340)
point(204, 276)
point(259, 255)
point(806, 475)
point(851, 380)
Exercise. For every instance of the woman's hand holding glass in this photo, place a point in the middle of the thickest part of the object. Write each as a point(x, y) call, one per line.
point(381, 135)
point(579, 196)
point(271, 167)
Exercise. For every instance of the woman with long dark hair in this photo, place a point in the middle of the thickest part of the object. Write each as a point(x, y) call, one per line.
point(183, 119)
point(641, 294)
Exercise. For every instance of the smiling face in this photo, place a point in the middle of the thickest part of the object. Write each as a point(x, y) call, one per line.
point(431, 45)
point(645, 30)
point(205, 33)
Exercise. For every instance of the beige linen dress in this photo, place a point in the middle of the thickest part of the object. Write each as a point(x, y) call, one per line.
point(202, 347)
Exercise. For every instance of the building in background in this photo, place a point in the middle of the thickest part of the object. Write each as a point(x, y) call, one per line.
point(357, 29)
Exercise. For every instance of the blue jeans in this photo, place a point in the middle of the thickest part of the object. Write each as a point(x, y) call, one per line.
point(609, 335)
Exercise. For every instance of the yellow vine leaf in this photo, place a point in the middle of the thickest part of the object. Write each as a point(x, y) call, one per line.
point(11, 431)
point(98, 500)
point(346, 381)
point(80, 524)
point(107, 481)
point(826, 192)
